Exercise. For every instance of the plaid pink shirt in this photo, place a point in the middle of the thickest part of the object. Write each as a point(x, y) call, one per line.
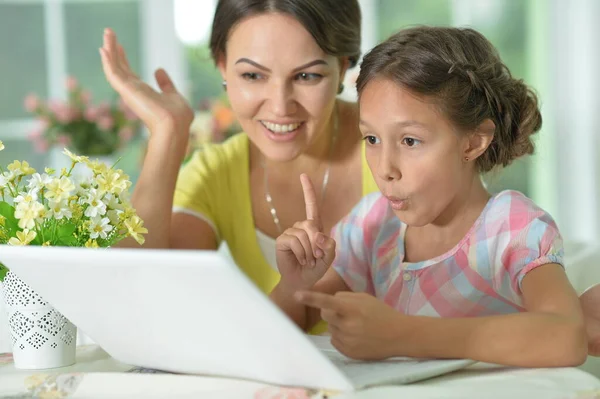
point(480, 276)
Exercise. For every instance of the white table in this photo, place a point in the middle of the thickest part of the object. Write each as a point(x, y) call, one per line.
point(97, 375)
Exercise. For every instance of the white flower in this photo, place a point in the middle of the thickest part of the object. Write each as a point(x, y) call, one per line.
point(60, 209)
point(112, 202)
point(1, 145)
point(99, 227)
point(6, 178)
point(27, 213)
point(26, 198)
point(96, 206)
point(82, 187)
point(60, 188)
point(37, 181)
point(113, 215)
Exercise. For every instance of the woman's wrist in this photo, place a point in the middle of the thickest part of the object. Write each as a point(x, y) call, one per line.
point(169, 145)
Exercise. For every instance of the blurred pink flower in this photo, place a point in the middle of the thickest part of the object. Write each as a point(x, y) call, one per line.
point(63, 140)
point(63, 113)
point(126, 133)
point(106, 122)
point(71, 83)
point(43, 123)
point(282, 393)
point(32, 102)
point(104, 108)
point(59, 120)
point(86, 97)
point(35, 134)
point(56, 106)
point(91, 113)
point(41, 145)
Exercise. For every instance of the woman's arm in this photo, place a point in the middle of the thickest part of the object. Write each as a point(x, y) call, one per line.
point(168, 117)
point(550, 334)
point(153, 200)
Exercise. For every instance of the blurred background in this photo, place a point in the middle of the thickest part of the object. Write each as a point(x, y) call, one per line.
point(549, 43)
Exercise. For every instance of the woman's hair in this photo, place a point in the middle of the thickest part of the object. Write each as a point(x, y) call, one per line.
point(463, 74)
point(334, 24)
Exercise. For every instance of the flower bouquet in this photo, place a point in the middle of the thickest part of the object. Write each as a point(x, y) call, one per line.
point(54, 209)
point(78, 124)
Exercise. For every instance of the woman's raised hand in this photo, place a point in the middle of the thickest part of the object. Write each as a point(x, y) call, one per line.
point(161, 111)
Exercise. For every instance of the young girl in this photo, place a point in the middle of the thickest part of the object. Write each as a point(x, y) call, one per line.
point(433, 265)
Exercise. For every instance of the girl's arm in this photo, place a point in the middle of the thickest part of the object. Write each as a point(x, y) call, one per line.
point(550, 334)
point(304, 316)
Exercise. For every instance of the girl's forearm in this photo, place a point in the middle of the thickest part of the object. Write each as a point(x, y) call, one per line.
point(523, 339)
point(153, 194)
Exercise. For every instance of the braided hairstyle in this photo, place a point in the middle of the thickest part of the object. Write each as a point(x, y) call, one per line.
point(462, 73)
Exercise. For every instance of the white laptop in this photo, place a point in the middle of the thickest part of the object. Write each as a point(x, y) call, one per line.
point(195, 312)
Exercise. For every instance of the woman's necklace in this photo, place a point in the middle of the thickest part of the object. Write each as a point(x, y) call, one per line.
point(268, 197)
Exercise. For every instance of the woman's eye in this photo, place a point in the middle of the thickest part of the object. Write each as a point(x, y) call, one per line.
point(251, 76)
point(371, 140)
point(308, 77)
point(409, 141)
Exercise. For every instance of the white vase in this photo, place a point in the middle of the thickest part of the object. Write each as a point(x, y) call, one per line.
point(42, 338)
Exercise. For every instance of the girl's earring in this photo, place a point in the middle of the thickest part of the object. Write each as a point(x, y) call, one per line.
point(466, 159)
point(224, 85)
point(340, 89)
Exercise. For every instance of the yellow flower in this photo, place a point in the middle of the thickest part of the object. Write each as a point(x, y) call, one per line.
point(46, 244)
point(75, 158)
point(35, 380)
point(91, 244)
point(97, 167)
point(60, 189)
point(1, 145)
point(28, 212)
point(23, 237)
point(114, 182)
point(135, 228)
point(19, 168)
point(49, 171)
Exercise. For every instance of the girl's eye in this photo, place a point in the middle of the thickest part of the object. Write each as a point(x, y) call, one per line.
point(409, 141)
point(308, 77)
point(251, 76)
point(372, 140)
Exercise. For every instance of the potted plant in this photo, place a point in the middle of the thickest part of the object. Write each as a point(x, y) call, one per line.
point(54, 208)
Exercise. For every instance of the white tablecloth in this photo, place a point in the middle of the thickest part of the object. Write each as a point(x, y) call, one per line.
point(97, 375)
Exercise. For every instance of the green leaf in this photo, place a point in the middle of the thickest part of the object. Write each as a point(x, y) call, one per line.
point(11, 223)
point(3, 271)
point(64, 234)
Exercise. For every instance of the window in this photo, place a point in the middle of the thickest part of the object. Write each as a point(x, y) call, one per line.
point(23, 62)
point(84, 26)
point(44, 41)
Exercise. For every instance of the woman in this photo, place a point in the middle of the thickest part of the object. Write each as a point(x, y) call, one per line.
point(283, 63)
